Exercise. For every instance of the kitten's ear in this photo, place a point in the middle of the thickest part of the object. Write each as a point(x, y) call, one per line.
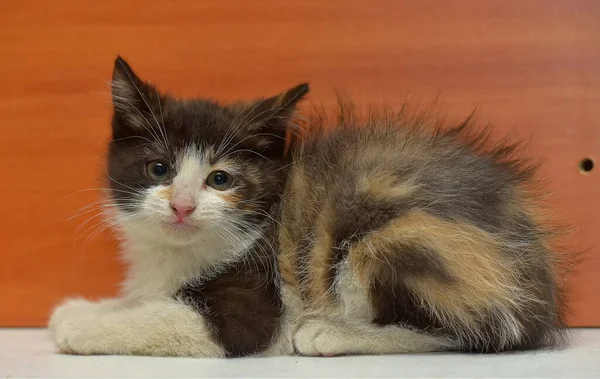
point(133, 101)
point(267, 119)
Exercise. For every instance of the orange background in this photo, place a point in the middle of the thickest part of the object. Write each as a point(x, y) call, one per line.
point(530, 66)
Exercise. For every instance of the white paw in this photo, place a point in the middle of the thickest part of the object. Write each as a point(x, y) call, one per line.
point(71, 325)
point(316, 338)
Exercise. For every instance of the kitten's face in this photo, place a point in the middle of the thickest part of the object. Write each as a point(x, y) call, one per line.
point(193, 171)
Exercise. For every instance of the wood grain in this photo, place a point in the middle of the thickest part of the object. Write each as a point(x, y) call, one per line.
point(532, 67)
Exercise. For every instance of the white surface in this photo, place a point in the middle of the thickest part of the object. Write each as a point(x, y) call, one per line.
point(29, 353)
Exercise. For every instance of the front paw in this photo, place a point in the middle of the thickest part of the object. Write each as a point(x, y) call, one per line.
point(69, 309)
point(71, 324)
point(315, 338)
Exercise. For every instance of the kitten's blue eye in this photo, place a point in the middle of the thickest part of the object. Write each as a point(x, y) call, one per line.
point(157, 171)
point(219, 180)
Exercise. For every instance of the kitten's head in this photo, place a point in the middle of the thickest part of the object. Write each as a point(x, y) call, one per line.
point(194, 171)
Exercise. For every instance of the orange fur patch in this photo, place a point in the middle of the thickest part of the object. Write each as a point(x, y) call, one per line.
point(383, 186)
point(470, 255)
point(231, 199)
point(165, 193)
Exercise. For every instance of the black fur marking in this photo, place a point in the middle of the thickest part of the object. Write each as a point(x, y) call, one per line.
point(242, 304)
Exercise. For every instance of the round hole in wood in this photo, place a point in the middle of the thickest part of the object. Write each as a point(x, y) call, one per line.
point(586, 165)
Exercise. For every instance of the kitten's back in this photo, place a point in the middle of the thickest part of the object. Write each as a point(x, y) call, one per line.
point(440, 232)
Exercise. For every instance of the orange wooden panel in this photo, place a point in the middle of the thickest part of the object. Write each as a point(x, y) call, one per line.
point(530, 65)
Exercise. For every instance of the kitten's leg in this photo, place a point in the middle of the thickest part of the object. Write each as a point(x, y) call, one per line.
point(163, 327)
point(84, 307)
point(322, 337)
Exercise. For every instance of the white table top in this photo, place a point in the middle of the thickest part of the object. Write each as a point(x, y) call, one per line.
point(29, 353)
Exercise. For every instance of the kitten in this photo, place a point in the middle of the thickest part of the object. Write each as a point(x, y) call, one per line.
point(375, 236)
point(193, 184)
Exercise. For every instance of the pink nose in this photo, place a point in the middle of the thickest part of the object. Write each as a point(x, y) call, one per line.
point(182, 210)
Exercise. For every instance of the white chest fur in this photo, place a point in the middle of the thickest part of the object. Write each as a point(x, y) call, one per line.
point(159, 270)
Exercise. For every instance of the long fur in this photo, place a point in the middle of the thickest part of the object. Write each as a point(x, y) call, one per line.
point(441, 226)
point(376, 233)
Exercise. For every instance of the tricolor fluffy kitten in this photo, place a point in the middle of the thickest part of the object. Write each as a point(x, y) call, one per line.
point(367, 235)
